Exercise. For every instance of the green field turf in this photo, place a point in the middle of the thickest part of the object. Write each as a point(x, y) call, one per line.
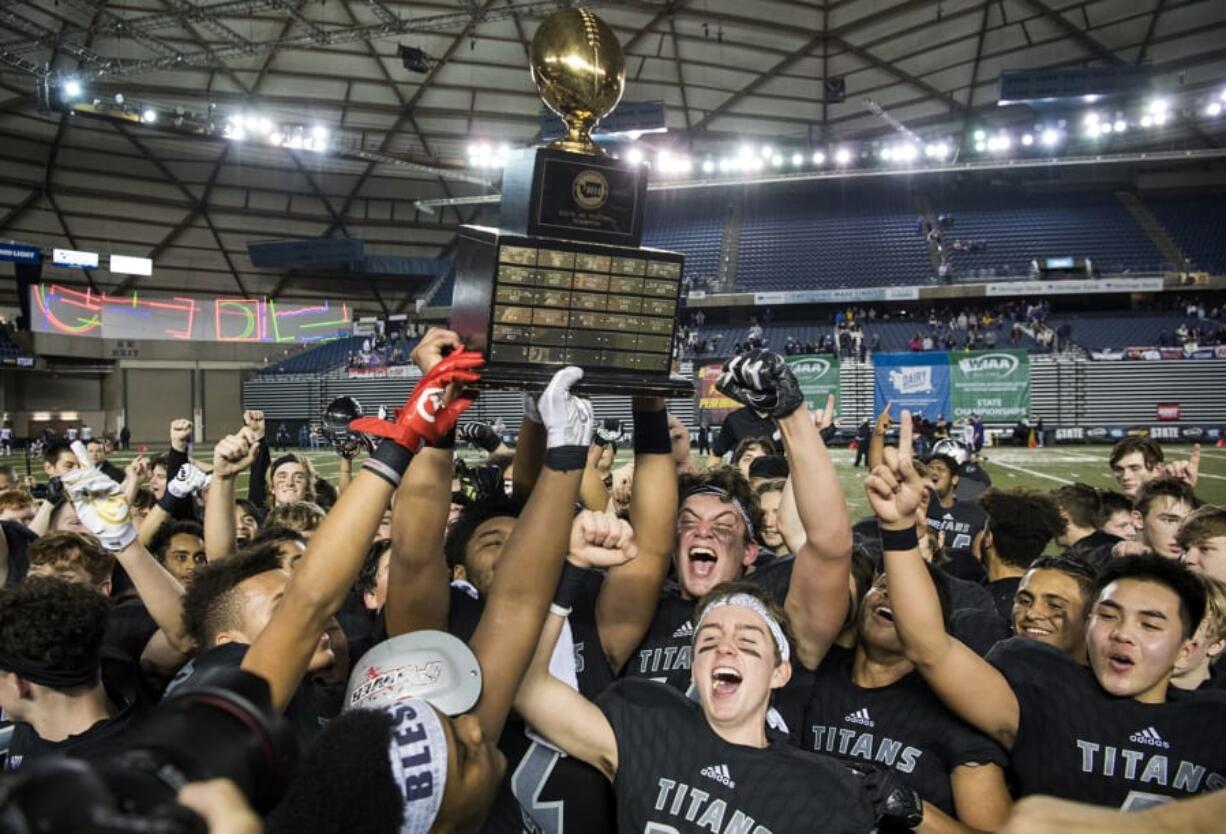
point(1042, 469)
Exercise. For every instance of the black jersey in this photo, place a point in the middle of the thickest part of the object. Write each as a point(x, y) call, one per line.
point(313, 705)
point(544, 791)
point(674, 774)
point(739, 425)
point(1077, 742)
point(903, 725)
point(665, 653)
point(960, 523)
point(1003, 591)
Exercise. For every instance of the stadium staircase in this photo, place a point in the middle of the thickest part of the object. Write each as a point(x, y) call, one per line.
point(1152, 227)
point(924, 207)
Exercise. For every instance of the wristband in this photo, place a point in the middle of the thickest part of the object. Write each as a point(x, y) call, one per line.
point(906, 539)
point(570, 583)
point(566, 458)
point(561, 610)
point(447, 441)
point(170, 503)
point(388, 461)
point(651, 433)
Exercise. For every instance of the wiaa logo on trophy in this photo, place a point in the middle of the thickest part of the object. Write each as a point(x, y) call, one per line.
point(590, 190)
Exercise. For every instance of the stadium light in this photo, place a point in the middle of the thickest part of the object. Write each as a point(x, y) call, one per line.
point(634, 156)
point(767, 152)
point(1027, 140)
point(1104, 128)
point(1214, 109)
point(72, 89)
point(819, 158)
point(708, 166)
point(149, 116)
point(980, 147)
point(980, 136)
point(842, 156)
point(999, 143)
point(886, 153)
point(1120, 125)
point(777, 160)
point(798, 159)
point(1090, 119)
point(906, 154)
point(1049, 138)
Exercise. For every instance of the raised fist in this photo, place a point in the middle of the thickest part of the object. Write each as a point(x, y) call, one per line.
point(180, 434)
point(763, 381)
point(428, 415)
point(254, 420)
point(601, 540)
point(609, 431)
point(234, 453)
point(479, 435)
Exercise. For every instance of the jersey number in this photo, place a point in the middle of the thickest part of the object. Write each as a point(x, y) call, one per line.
point(528, 782)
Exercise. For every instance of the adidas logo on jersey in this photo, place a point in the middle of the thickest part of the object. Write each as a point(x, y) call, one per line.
point(861, 717)
point(720, 774)
point(686, 630)
point(1149, 736)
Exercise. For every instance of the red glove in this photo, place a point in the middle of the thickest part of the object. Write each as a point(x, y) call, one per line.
point(425, 419)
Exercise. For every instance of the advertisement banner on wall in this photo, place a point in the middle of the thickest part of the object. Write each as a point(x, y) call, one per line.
point(993, 384)
point(710, 404)
point(818, 377)
point(1169, 412)
point(918, 382)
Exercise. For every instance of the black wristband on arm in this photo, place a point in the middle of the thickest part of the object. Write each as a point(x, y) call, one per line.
point(570, 583)
point(388, 461)
point(651, 433)
point(171, 504)
point(566, 458)
point(900, 539)
point(447, 441)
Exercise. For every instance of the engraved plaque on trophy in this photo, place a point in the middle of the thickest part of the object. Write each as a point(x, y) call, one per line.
point(563, 280)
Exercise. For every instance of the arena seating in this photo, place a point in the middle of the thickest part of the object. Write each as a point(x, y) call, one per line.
point(814, 238)
point(7, 347)
point(691, 223)
point(1091, 331)
point(1195, 224)
point(316, 360)
point(1017, 228)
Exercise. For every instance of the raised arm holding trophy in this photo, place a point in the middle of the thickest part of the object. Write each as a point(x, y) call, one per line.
point(563, 280)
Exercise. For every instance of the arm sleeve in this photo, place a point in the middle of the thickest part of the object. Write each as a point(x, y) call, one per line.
point(724, 443)
point(256, 492)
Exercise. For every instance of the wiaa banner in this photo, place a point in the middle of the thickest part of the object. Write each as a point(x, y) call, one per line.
point(818, 376)
point(994, 384)
point(918, 382)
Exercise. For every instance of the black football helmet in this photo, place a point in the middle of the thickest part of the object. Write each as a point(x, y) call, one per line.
point(335, 425)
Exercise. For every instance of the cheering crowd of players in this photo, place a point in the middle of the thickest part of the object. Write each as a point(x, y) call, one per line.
point(665, 647)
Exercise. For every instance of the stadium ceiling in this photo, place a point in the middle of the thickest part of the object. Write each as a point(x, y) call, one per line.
point(727, 70)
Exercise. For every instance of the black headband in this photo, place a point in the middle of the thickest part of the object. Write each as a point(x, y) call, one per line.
point(84, 675)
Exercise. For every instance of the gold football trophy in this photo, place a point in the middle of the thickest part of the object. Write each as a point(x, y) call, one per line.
point(577, 64)
point(563, 280)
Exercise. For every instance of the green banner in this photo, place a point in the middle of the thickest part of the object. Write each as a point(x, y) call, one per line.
point(818, 375)
point(995, 384)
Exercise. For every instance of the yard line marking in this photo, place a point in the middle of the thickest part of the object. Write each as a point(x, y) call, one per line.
point(1030, 472)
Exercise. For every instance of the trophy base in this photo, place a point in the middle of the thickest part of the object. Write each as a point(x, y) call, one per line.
point(534, 380)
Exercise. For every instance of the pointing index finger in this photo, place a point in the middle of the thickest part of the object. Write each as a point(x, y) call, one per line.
point(905, 438)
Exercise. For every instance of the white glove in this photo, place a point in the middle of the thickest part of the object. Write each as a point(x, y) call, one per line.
point(531, 412)
point(99, 502)
point(567, 419)
point(189, 481)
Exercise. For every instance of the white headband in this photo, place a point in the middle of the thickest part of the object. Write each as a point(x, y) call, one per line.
point(755, 605)
point(418, 752)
